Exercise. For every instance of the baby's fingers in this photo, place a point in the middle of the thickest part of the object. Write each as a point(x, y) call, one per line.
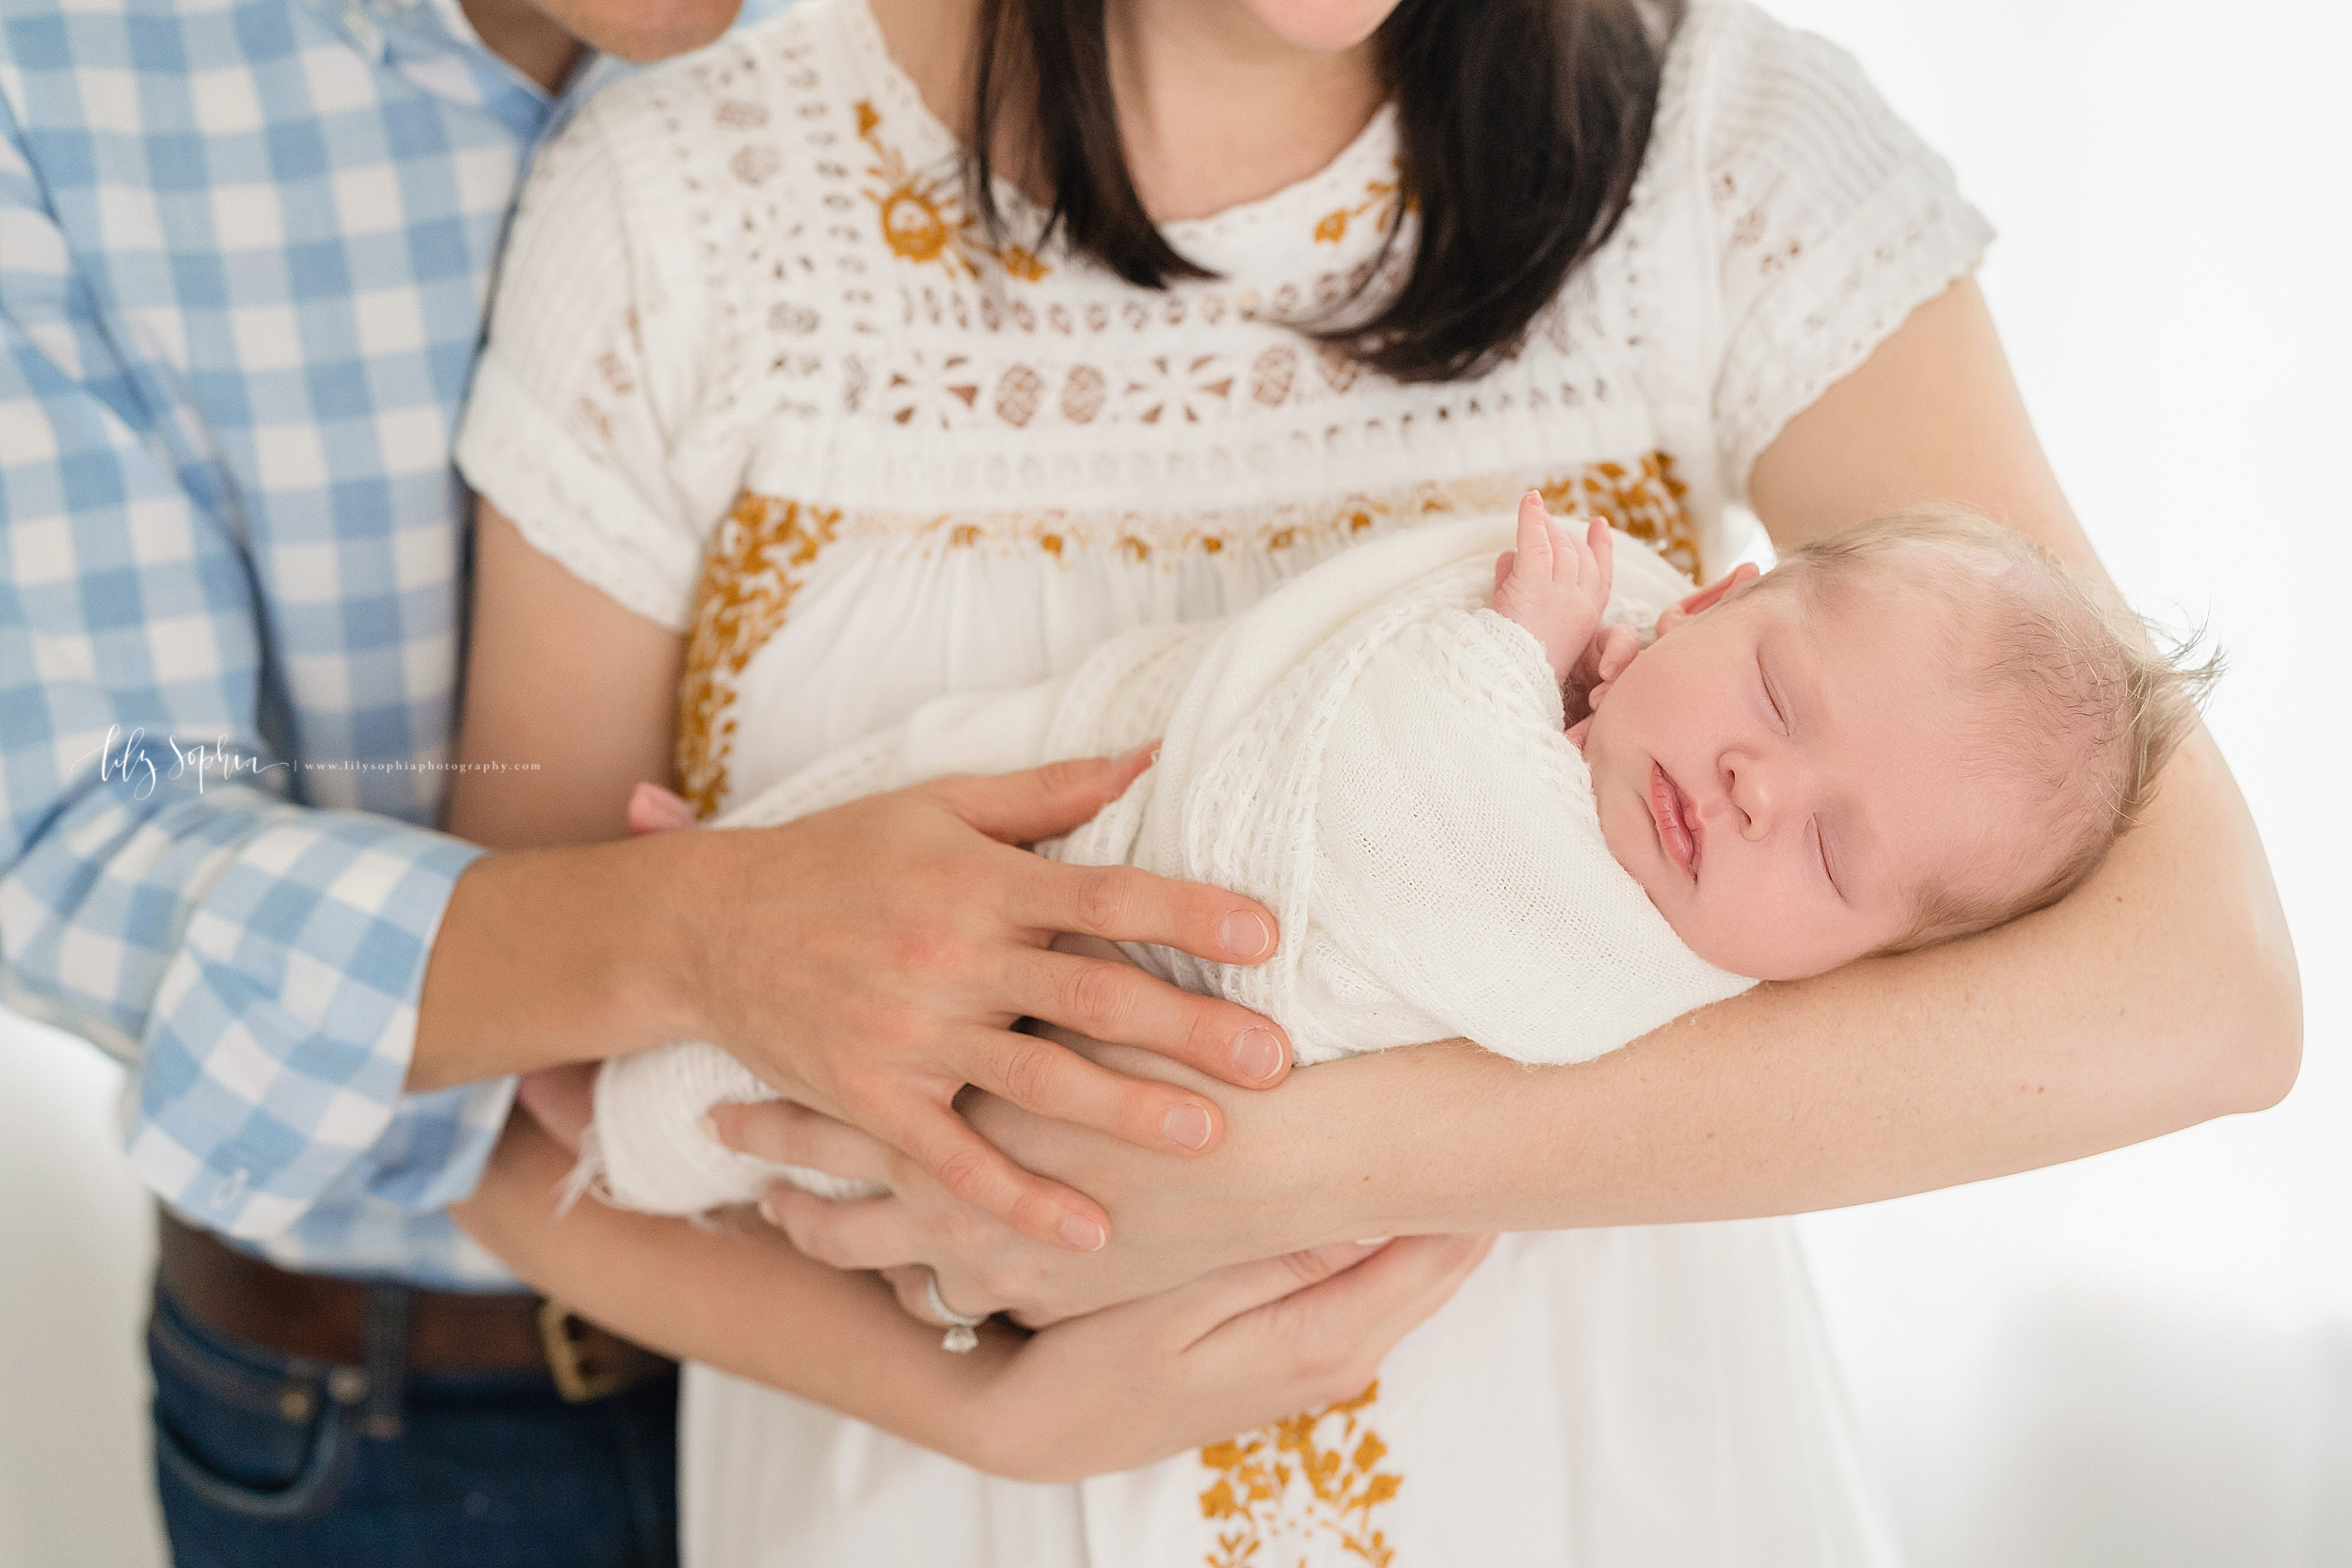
point(1618, 645)
point(1536, 539)
point(1569, 564)
point(1597, 540)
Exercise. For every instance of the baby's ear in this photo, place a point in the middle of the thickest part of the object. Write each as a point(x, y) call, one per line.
point(1707, 598)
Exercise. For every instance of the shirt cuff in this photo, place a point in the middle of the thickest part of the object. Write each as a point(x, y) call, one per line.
point(275, 1054)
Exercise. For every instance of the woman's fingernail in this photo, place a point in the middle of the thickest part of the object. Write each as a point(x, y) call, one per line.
point(769, 1210)
point(1082, 1233)
point(1257, 1054)
point(1187, 1125)
point(709, 1124)
point(1244, 935)
point(1373, 1241)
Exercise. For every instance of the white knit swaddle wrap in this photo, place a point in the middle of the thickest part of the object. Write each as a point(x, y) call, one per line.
point(1369, 752)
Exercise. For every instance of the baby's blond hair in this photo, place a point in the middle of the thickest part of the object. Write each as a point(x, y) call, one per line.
point(2108, 698)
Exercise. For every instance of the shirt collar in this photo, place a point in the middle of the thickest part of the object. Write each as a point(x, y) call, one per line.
point(433, 44)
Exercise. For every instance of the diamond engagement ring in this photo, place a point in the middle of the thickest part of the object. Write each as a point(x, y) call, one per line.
point(960, 1336)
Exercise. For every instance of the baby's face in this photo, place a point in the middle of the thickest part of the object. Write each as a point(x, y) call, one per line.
point(1782, 777)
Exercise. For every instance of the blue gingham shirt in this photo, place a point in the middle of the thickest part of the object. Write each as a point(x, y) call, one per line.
point(246, 247)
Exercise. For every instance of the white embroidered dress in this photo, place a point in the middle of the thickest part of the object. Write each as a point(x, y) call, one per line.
point(757, 373)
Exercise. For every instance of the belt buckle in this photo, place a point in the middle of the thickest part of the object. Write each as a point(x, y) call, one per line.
point(577, 1378)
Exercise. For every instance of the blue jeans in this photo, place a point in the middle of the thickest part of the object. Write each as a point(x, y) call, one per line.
point(266, 1462)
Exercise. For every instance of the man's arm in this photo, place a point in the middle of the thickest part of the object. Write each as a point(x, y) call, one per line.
point(256, 962)
point(265, 963)
point(2162, 992)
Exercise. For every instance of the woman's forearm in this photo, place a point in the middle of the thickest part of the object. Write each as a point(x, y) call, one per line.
point(2162, 993)
point(1109, 1392)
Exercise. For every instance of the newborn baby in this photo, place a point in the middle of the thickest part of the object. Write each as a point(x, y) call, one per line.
point(1479, 806)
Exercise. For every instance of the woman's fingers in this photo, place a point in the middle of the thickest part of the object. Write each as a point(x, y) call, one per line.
point(1227, 1293)
point(910, 1283)
point(977, 1174)
point(1334, 1334)
point(864, 1233)
point(787, 1134)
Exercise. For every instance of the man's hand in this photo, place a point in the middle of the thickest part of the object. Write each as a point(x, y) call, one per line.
point(871, 961)
point(1555, 584)
point(1209, 1216)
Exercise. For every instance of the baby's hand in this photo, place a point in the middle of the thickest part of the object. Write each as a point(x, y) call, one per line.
point(1555, 584)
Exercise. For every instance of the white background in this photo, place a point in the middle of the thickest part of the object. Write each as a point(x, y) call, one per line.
point(2146, 1358)
point(2143, 1359)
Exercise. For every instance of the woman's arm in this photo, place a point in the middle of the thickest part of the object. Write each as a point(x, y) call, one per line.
point(1103, 1393)
point(2161, 993)
point(868, 960)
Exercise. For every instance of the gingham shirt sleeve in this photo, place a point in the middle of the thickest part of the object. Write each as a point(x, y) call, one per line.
point(259, 962)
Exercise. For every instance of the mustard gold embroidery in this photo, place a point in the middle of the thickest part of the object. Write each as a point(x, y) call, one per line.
point(756, 562)
point(1317, 1474)
point(762, 553)
point(1378, 206)
point(1644, 500)
point(923, 217)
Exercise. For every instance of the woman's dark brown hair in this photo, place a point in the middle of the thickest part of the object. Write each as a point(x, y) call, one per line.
point(1522, 122)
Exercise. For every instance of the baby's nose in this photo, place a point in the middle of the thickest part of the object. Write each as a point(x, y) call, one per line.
point(1754, 796)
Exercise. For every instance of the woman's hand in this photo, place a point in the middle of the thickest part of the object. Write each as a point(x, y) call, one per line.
point(1238, 1349)
point(1100, 1393)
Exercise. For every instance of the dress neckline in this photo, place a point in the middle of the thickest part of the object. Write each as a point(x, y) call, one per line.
point(1369, 158)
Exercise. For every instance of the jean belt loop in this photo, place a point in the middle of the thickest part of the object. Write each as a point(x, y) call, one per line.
point(387, 1359)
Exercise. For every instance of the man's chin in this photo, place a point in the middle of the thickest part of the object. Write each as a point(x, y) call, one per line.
point(644, 33)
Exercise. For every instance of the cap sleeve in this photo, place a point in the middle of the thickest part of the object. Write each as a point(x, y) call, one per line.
point(571, 428)
point(1830, 222)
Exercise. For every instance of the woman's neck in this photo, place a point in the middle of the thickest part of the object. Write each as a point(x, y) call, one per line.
point(1214, 109)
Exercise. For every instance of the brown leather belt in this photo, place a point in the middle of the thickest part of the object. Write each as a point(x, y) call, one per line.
point(321, 1319)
